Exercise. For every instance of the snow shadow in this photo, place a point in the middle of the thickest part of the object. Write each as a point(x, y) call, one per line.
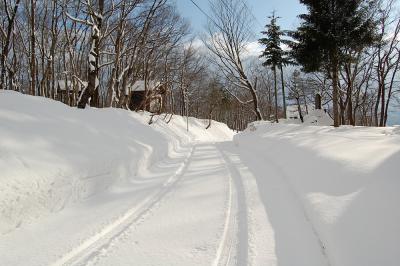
point(295, 241)
point(349, 201)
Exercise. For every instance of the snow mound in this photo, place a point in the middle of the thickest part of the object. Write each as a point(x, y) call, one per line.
point(52, 156)
point(313, 118)
point(396, 130)
point(318, 118)
point(347, 181)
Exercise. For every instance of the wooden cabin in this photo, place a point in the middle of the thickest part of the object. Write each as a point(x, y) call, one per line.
point(152, 103)
point(66, 92)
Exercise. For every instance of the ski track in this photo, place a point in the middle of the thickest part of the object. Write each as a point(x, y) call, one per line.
point(240, 220)
point(234, 245)
point(296, 198)
point(225, 247)
point(225, 240)
point(100, 242)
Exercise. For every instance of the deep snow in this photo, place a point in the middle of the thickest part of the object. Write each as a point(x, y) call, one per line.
point(102, 187)
point(345, 179)
point(52, 155)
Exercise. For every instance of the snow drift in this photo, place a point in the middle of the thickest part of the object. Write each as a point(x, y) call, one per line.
point(52, 155)
point(346, 180)
point(312, 116)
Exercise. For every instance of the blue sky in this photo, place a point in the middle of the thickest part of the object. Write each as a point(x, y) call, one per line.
point(394, 117)
point(286, 9)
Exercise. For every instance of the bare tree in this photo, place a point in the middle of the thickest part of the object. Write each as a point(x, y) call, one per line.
point(228, 34)
point(388, 62)
point(32, 52)
point(95, 22)
point(10, 12)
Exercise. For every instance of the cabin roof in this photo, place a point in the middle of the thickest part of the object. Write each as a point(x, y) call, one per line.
point(139, 85)
point(61, 85)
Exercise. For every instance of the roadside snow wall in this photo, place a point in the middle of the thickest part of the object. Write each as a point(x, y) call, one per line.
point(52, 155)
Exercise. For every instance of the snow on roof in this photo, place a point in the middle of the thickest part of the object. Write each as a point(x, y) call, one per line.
point(62, 87)
point(61, 84)
point(139, 85)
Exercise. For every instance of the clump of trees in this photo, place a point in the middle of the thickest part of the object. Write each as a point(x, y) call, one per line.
point(99, 47)
point(354, 44)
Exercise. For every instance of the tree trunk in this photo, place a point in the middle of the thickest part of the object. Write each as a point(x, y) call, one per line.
point(276, 95)
point(6, 44)
point(32, 50)
point(255, 103)
point(350, 117)
point(376, 108)
point(335, 93)
point(92, 90)
point(283, 93)
point(342, 111)
point(318, 105)
point(253, 91)
point(299, 109)
point(383, 101)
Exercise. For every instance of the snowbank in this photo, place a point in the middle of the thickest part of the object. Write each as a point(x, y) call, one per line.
point(52, 156)
point(315, 117)
point(346, 180)
point(318, 118)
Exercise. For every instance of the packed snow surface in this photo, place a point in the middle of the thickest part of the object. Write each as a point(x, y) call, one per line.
point(103, 187)
point(345, 181)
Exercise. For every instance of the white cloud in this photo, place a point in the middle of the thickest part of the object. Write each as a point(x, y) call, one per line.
point(253, 49)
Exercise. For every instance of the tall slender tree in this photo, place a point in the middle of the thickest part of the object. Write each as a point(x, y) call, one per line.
point(275, 57)
point(329, 28)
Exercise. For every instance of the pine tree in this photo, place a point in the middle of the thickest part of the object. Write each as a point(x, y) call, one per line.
point(328, 29)
point(275, 56)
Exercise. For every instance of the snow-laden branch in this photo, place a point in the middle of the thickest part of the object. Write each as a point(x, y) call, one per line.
point(86, 22)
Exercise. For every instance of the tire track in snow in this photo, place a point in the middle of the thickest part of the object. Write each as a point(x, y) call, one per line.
point(98, 243)
point(295, 199)
point(238, 225)
point(225, 248)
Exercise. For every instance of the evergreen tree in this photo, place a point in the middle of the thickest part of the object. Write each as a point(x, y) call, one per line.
point(275, 56)
point(328, 29)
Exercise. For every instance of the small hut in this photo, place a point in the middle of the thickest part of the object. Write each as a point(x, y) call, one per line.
point(66, 92)
point(150, 101)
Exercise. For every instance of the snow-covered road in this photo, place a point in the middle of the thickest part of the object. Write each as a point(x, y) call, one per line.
point(103, 187)
point(206, 211)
